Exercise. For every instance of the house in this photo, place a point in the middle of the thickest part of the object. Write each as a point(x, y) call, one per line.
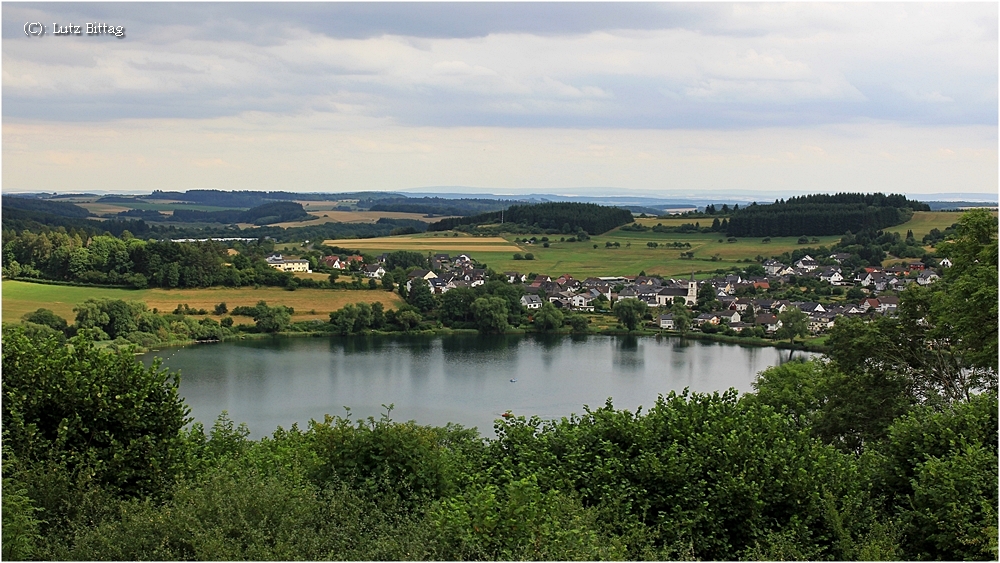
point(375, 271)
point(809, 307)
point(927, 277)
point(771, 305)
point(887, 304)
point(770, 322)
point(839, 257)
point(710, 318)
point(582, 302)
point(868, 304)
point(729, 317)
point(515, 277)
point(916, 266)
point(945, 263)
point(832, 275)
point(667, 321)
point(807, 263)
point(820, 322)
point(627, 293)
point(421, 274)
point(278, 262)
point(742, 305)
point(877, 280)
point(333, 262)
point(441, 285)
point(531, 301)
point(772, 267)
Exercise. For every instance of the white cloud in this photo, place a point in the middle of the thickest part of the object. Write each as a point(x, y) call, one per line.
point(749, 96)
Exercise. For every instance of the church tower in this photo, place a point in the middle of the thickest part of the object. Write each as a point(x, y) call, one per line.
point(692, 296)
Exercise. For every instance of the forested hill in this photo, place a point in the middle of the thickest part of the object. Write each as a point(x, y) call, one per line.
point(62, 209)
point(821, 214)
point(435, 205)
point(274, 212)
point(565, 217)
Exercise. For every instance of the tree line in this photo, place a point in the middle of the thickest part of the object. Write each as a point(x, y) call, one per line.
point(817, 215)
point(558, 217)
point(435, 205)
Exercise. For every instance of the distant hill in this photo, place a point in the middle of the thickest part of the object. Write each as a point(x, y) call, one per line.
point(38, 221)
point(435, 205)
point(58, 208)
point(562, 217)
point(247, 198)
point(266, 214)
point(955, 205)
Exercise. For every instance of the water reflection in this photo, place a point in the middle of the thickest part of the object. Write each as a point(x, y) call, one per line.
point(627, 355)
point(457, 378)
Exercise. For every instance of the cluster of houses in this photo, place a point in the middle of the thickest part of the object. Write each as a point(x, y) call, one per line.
point(875, 278)
point(739, 313)
point(566, 292)
point(455, 272)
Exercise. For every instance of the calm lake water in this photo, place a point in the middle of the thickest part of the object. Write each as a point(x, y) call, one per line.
point(439, 379)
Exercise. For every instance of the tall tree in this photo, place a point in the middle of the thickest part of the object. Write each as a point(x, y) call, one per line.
point(630, 312)
point(793, 323)
point(548, 317)
point(491, 315)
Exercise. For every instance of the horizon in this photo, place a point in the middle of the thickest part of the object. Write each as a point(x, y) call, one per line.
point(662, 100)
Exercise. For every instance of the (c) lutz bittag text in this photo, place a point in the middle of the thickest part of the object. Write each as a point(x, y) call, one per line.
point(88, 29)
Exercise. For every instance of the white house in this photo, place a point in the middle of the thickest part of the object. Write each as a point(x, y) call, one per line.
point(375, 271)
point(807, 263)
point(277, 262)
point(667, 321)
point(531, 301)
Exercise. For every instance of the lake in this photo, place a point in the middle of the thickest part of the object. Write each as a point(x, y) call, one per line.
point(439, 379)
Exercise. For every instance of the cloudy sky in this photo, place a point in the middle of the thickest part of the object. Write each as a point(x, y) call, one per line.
point(664, 99)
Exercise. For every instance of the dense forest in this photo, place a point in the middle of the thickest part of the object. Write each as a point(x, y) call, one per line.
point(59, 208)
point(435, 205)
point(884, 450)
point(817, 215)
point(560, 217)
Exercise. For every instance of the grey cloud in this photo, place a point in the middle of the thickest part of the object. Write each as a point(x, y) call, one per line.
point(236, 41)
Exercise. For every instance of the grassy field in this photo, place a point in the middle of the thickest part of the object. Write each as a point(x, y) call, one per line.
point(24, 297)
point(923, 221)
point(427, 242)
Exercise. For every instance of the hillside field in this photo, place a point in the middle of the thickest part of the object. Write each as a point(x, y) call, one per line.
point(581, 259)
point(24, 297)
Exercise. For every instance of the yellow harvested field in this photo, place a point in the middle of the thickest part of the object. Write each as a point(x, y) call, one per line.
point(428, 243)
point(23, 297)
point(102, 208)
point(670, 221)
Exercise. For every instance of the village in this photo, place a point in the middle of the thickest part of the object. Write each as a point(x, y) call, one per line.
point(733, 303)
